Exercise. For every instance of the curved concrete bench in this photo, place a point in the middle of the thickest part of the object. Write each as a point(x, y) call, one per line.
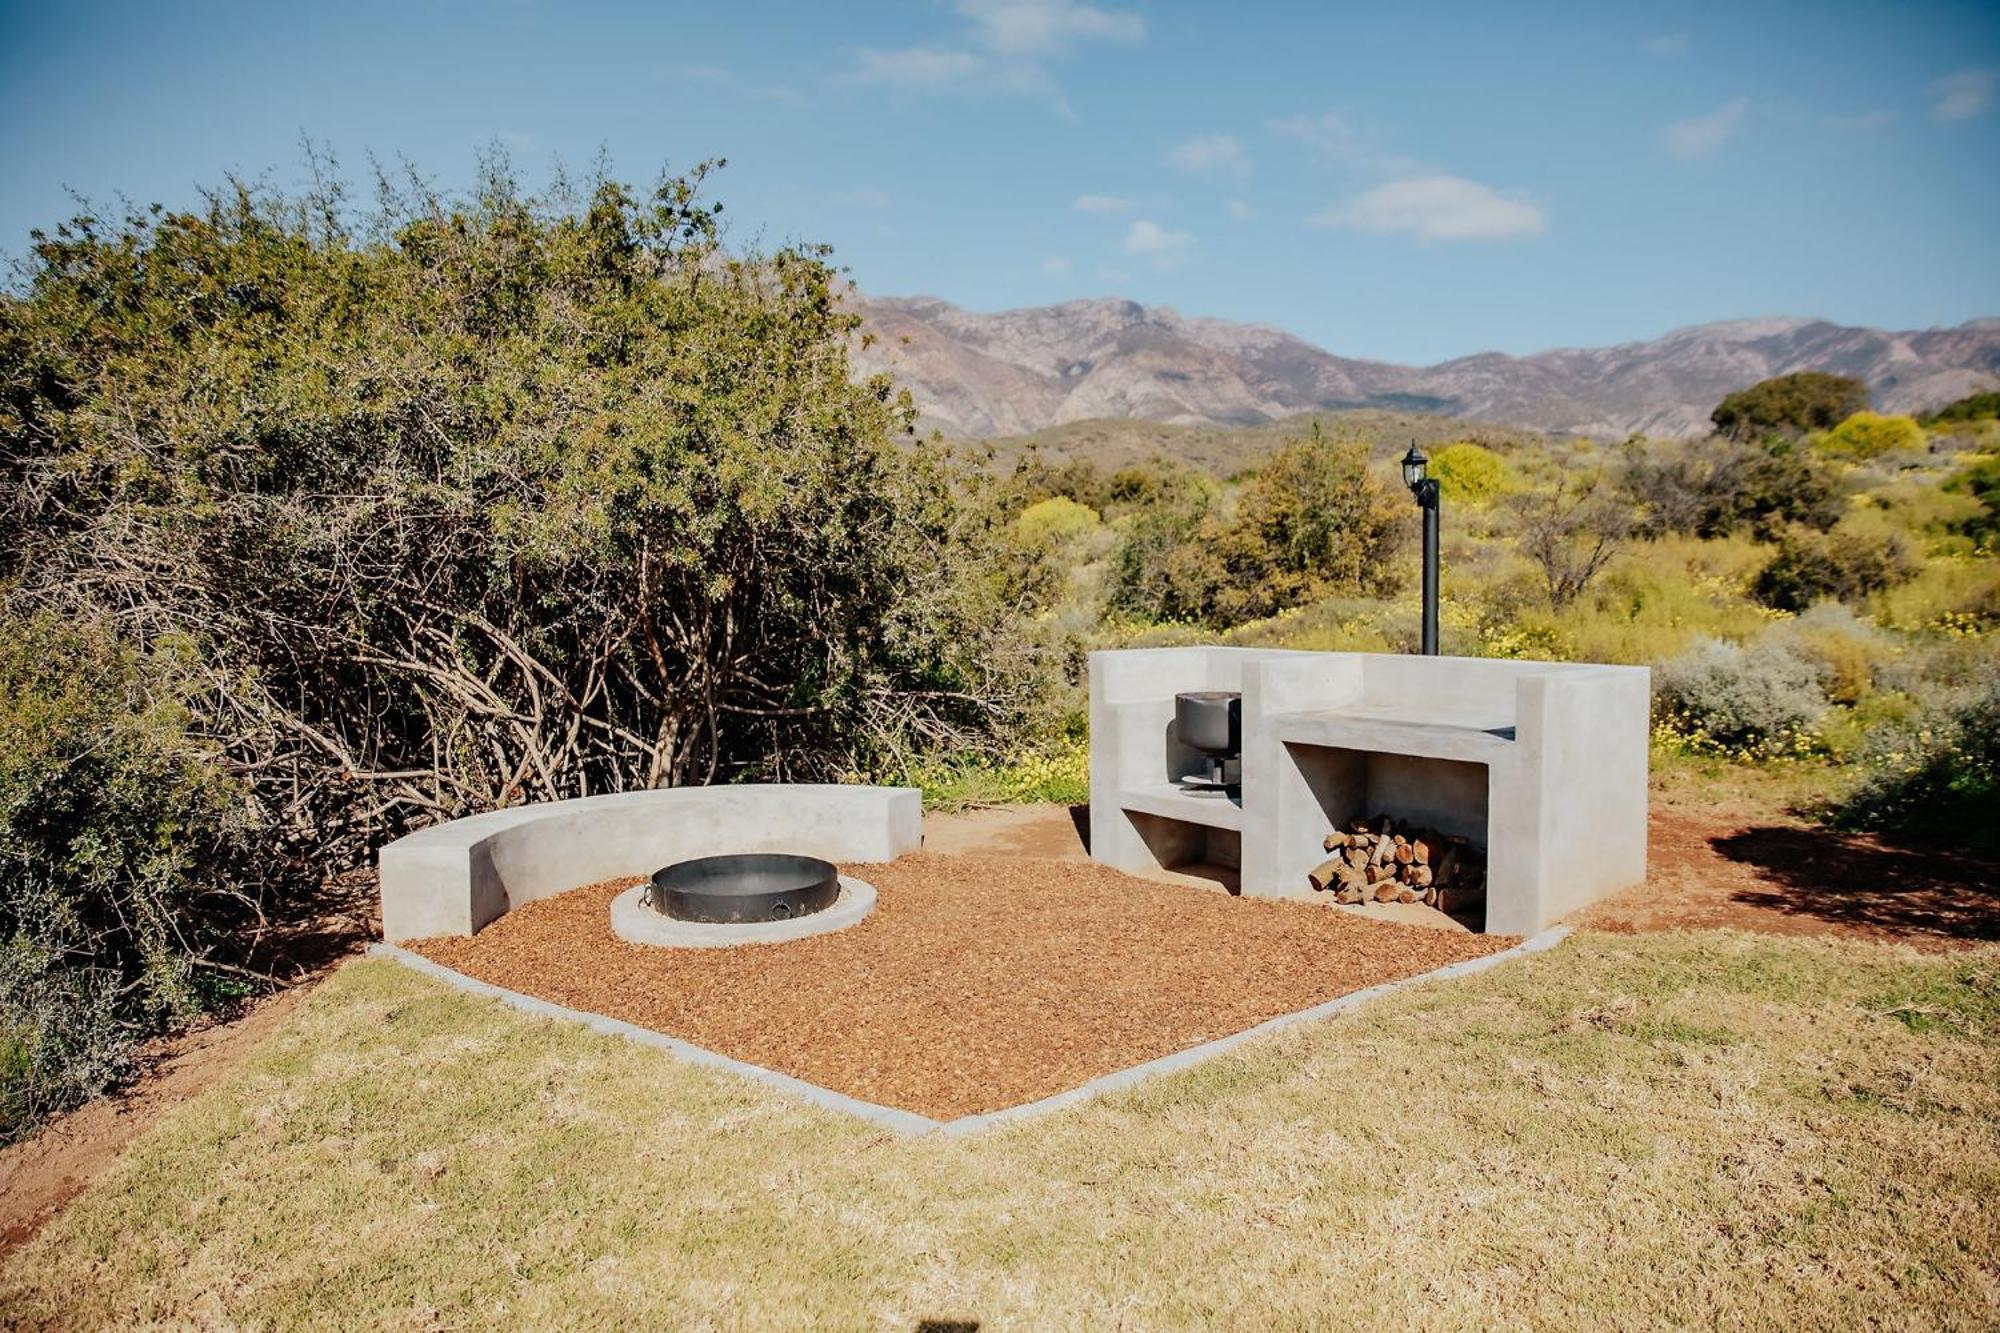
point(453, 878)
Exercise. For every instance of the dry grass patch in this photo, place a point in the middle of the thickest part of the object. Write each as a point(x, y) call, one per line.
point(1624, 1132)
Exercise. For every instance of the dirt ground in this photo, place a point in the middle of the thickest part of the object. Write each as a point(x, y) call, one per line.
point(1710, 868)
point(979, 982)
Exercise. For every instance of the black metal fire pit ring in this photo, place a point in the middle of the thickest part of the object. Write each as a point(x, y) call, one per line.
point(748, 887)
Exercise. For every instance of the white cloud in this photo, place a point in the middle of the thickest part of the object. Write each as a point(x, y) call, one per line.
point(1149, 240)
point(1100, 203)
point(917, 69)
point(1698, 136)
point(1439, 208)
point(1332, 138)
point(1055, 264)
point(1046, 27)
point(1211, 152)
point(1668, 44)
point(1002, 51)
point(1963, 95)
point(1239, 210)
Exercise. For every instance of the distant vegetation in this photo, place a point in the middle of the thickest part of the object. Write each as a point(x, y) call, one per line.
point(1819, 600)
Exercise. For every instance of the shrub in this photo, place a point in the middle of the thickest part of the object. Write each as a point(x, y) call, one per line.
point(1756, 700)
point(1981, 482)
point(1471, 474)
point(1868, 435)
point(1055, 521)
point(1312, 521)
point(127, 863)
point(1973, 407)
point(1846, 650)
point(1713, 487)
point(1847, 564)
point(1167, 567)
point(1790, 405)
point(1571, 533)
point(1939, 780)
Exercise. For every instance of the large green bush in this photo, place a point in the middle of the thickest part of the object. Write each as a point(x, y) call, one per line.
point(1311, 521)
point(1846, 564)
point(1790, 405)
point(128, 863)
point(493, 499)
point(1713, 487)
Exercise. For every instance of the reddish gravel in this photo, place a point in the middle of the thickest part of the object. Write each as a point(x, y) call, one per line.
point(979, 982)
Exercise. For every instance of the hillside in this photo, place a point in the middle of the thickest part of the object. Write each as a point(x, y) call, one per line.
point(1019, 371)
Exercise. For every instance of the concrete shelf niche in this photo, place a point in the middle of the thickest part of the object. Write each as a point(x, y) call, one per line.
point(1542, 765)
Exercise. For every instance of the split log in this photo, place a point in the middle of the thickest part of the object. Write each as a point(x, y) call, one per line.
point(1326, 873)
point(1385, 891)
point(1406, 894)
point(1335, 841)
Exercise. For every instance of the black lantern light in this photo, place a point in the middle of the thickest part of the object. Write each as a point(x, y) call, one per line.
point(1416, 475)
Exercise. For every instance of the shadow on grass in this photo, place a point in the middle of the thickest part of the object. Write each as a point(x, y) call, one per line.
point(1860, 880)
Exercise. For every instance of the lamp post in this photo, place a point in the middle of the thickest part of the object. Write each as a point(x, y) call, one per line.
point(1425, 488)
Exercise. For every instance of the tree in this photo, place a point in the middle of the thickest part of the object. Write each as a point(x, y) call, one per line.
point(1167, 567)
point(1790, 405)
point(493, 499)
point(1571, 533)
point(1309, 521)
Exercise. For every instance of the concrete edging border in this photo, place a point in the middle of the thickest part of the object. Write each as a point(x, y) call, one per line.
point(909, 1123)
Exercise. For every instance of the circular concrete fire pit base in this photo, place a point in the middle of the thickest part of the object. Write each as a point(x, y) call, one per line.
point(633, 921)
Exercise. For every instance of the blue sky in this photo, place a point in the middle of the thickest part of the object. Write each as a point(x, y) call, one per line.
point(1406, 182)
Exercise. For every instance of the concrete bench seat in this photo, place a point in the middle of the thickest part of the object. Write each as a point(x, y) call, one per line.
point(455, 877)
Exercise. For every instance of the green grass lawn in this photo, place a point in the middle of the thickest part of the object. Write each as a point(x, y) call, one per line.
point(1627, 1131)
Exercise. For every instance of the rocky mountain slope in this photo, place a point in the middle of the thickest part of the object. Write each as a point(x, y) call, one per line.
point(1017, 371)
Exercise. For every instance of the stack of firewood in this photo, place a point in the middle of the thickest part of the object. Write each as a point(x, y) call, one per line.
point(1376, 860)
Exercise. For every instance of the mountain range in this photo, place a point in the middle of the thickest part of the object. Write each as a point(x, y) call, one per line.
point(978, 376)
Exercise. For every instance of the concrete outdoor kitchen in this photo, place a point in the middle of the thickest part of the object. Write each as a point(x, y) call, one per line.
point(1539, 765)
